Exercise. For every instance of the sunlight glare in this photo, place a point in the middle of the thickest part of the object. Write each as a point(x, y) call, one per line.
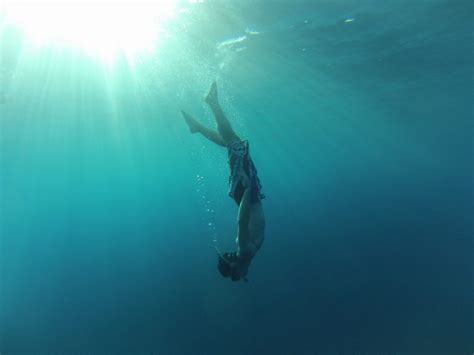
point(102, 28)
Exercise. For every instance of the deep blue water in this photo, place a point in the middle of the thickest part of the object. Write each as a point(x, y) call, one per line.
point(362, 134)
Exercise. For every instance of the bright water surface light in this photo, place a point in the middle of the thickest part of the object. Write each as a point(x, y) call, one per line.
point(101, 28)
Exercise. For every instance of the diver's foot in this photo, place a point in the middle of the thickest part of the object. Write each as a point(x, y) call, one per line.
point(211, 97)
point(192, 123)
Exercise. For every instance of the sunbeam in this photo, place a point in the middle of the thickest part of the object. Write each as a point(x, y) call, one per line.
point(102, 28)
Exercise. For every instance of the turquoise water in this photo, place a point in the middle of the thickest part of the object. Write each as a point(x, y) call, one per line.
point(359, 116)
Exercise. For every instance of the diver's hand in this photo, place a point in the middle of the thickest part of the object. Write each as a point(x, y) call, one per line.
point(239, 264)
point(242, 264)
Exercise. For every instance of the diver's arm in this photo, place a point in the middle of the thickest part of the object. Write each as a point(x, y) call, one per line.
point(244, 230)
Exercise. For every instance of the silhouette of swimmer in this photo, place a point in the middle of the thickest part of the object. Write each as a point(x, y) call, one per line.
point(244, 188)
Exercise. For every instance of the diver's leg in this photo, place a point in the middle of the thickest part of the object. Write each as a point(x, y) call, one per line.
point(223, 125)
point(196, 127)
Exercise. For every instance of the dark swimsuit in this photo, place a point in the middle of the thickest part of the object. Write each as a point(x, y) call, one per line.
point(240, 165)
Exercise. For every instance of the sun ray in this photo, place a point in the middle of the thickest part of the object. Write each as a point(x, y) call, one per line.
point(101, 28)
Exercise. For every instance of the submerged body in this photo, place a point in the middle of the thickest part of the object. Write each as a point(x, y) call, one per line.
point(244, 188)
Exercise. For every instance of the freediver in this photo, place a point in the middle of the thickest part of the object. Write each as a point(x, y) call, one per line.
point(244, 188)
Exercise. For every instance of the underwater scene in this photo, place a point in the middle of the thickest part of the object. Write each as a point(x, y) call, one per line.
point(244, 177)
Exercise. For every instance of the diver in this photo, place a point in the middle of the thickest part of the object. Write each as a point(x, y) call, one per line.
point(244, 188)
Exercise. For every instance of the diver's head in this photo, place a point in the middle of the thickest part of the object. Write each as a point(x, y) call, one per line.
point(227, 265)
point(224, 266)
